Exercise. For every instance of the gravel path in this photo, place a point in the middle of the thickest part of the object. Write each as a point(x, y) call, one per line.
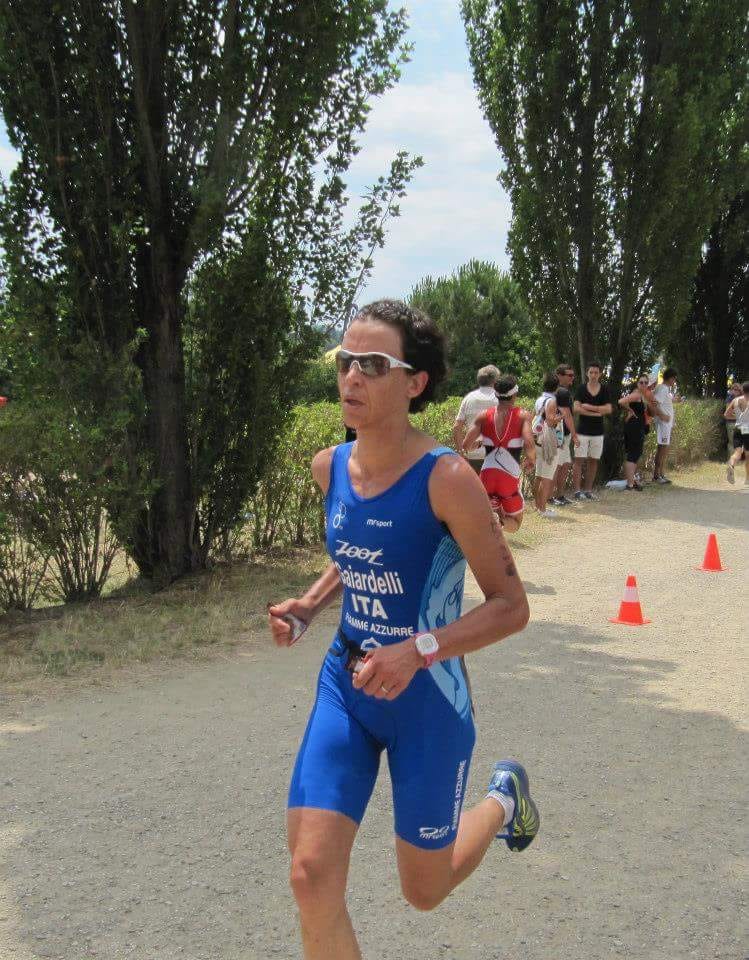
point(146, 821)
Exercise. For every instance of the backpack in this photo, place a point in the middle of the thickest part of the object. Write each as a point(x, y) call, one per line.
point(549, 438)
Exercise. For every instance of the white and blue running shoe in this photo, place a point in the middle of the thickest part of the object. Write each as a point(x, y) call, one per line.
point(510, 779)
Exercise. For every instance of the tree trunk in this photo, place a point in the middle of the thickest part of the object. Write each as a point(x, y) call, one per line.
point(613, 451)
point(719, 320)
point(166, 546)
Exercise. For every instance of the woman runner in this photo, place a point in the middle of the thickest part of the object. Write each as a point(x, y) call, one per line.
point(504, 430)
point(403, 517)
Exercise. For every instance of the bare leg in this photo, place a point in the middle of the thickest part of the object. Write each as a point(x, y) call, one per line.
point(629, 472)
point(563, 473)
point(538, 498)
point(660, 461)
point(577, 473)
point(510, 524)
point(591, 468)
point(543, 491)
point(320, 842)
point(428, 876)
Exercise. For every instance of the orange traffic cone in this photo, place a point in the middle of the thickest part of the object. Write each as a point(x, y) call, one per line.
point(712, 556)
point(630, 611)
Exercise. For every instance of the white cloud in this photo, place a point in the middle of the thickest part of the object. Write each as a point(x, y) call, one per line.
point(454, 209)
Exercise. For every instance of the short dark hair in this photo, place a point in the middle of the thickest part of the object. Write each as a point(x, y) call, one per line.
point(551, 382)
point(423, 343)
point(563, 368)
point(505, 383)
point(593, 363)
point(668, 373)
point(745, 386)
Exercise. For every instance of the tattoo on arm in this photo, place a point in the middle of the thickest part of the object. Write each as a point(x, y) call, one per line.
point(509, 565)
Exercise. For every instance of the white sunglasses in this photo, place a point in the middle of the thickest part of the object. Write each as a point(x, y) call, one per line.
point(371, 364)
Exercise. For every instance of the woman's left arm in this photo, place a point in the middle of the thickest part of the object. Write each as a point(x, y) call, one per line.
point(463, 506)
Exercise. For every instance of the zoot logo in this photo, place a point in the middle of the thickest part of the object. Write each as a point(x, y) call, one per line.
point(347, 549)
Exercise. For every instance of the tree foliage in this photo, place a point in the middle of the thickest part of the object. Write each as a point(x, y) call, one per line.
point(158, 142)
point(713, 339)
point(609, 116)
point(485, 320)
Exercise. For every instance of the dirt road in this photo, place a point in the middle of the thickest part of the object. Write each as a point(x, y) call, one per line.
point(147, 821)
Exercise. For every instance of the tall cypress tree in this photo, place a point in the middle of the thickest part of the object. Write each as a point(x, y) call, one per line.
point(608, 116)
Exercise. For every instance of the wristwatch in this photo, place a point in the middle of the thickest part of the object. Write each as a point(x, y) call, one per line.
point(426, 644)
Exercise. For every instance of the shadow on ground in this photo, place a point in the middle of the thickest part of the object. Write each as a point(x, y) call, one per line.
point(150, 824)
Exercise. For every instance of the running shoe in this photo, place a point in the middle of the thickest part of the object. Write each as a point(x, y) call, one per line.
point(579, 496)
point(510, 779)
point(547, 514)
point(589, 496)
point(662, 479)
point(730, 476)
point(564, 501)
point(556, 501)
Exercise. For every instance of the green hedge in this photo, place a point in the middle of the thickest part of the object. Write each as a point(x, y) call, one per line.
point(287, 508)
point(698, 434)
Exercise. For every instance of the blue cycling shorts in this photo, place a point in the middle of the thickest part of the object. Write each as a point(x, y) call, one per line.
point(428, 741)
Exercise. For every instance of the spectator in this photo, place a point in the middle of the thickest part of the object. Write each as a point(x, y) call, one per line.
point(548, 418)
point(739, 409)
point(566, 377)
point(664, 422)
point(635, 405)
point(592, 404)
point(472, 406)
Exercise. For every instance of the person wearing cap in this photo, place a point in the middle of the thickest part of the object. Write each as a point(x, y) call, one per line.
point(504, 430)
point(472, 406)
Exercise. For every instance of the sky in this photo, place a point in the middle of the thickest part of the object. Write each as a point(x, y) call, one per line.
point(455, 210)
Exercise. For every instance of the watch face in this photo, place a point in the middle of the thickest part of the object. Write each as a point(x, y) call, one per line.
point(426, 644)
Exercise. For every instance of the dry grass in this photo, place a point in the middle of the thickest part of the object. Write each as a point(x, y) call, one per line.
point(194, 619)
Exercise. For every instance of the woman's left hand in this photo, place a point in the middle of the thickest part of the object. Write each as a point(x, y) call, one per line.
point(387, 671)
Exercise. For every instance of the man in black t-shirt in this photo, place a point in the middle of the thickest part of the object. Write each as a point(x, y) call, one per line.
point(592, 404)
point(566, 376)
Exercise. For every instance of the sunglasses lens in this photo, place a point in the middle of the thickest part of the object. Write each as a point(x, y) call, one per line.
point(374, 365)
point(370, 364)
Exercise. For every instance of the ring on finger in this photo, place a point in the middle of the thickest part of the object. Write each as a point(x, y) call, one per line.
point(386, 689)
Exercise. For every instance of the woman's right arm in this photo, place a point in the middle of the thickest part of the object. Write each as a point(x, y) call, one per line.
point(323, 591)
point(625, 403)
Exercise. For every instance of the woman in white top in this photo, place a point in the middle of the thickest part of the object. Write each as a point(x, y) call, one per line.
point(738, 410)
